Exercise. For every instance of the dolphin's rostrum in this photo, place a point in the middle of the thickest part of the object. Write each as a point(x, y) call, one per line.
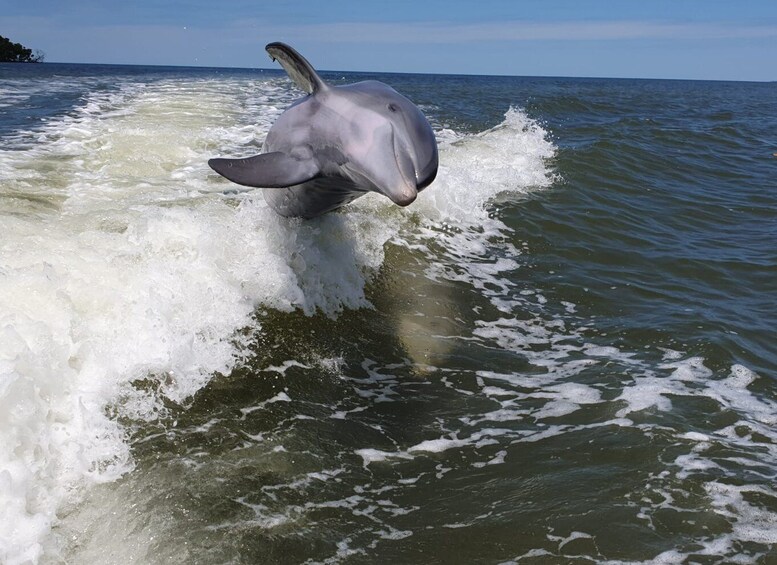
point(336, 144)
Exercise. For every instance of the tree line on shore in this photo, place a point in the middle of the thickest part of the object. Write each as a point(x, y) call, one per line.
point(11, 52)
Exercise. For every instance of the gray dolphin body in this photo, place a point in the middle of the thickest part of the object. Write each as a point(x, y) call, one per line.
point(336, 144)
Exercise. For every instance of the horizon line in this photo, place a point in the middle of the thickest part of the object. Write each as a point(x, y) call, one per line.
point(461, 74)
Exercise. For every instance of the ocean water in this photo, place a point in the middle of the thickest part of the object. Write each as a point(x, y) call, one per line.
point(562, 352)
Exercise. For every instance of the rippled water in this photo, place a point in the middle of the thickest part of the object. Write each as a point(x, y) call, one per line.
point(563, 352)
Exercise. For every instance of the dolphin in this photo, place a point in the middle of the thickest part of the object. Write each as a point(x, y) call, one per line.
point(337, 144)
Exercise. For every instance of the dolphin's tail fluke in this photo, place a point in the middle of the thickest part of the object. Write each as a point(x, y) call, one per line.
point(297, 67)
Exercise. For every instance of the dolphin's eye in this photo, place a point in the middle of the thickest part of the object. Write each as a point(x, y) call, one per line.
point(393, 108)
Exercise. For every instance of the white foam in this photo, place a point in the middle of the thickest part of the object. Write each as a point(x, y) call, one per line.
point(285, 366)
point(123, 268)
point(438, 445)
point(646, 387)
point(370, 455)
point(749, 522)
point(280, 397)
point(509, 157)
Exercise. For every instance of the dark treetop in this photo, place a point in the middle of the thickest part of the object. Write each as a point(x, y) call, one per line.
point(17, 53)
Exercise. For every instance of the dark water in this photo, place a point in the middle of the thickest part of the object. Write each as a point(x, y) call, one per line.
point(562, 353)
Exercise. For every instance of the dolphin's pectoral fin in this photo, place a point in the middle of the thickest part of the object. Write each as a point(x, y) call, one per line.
point(268, 170)
point(296, 66)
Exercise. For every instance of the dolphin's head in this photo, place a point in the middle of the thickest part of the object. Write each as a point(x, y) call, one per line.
point(389, 142)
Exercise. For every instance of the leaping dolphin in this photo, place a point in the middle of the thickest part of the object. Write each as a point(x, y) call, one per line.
point(336, 144)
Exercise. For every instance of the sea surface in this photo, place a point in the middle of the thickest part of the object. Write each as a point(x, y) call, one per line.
point(563, 352)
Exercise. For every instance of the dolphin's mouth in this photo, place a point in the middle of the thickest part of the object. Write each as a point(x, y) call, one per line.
point(426, 177)
point(405, 190)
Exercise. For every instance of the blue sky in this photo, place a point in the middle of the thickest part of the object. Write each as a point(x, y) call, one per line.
point(703, 39)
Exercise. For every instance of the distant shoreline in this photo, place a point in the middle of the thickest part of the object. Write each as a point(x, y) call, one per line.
point(388, 73)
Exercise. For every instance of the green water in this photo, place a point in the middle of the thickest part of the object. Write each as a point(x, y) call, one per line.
point(563, 352)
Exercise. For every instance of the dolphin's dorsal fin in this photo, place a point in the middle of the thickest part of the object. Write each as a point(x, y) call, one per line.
point(297, 67)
